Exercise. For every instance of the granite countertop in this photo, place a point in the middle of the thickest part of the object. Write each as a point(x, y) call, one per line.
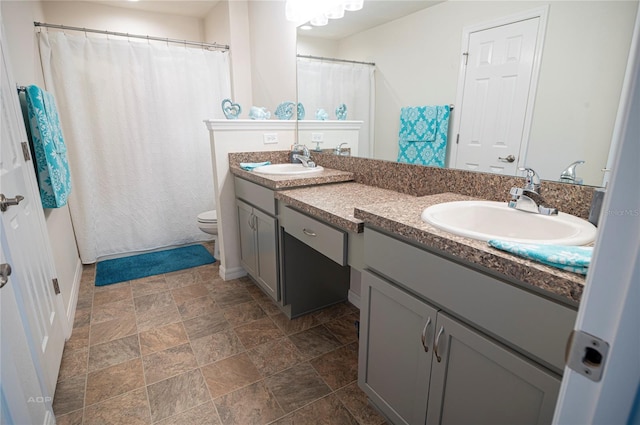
point(403, 219)
point(277, 182)
point(349, 205)
point(335, 203)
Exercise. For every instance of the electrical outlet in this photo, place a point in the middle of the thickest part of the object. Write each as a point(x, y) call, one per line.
point(317, 137)
point(270, 138)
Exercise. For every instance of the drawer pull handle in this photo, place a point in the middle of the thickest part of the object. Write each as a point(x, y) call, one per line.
point(309, 232)
point(435, 347)
point(424, 335)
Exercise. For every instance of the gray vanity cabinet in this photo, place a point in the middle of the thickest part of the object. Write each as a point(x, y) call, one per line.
point(421, 366)
point(443, 343)
point(248, 252)
point(258, 227)
point(394, 367)
point(476, 380)
point(259, 246)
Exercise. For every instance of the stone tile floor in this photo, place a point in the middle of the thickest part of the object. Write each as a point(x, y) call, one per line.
point(189, 348)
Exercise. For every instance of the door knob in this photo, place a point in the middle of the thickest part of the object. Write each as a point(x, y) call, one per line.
point(5, 272)
point(7, 202)
point(508, 158)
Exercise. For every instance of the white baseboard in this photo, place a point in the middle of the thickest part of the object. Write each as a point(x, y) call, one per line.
point(73, 300)
point(354, 298)
point(234, 273)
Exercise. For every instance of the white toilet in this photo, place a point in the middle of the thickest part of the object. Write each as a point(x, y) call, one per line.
point(208, 223)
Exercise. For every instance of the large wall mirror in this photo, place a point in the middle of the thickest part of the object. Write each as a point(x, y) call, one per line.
point(417, 48)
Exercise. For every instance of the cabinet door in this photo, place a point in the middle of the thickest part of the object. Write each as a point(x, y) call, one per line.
point(475, 380)
point(248, 253)
point(394, 366)
point(267, 258)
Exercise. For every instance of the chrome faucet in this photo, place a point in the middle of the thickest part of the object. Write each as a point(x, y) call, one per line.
point(305, 158)
point(569, 173)
point(339, 151)
point(528, 197)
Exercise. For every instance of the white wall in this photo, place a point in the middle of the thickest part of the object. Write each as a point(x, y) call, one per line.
point(240, 40)
point(18, 18)
point(273, 54)
point(418, 57)
point(216, 24)
point(317, 47)
point(117, 19)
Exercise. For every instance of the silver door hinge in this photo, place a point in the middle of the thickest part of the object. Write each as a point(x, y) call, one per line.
point(587, 355)
point(25, 151)
point(466, 57)
point(56, 286)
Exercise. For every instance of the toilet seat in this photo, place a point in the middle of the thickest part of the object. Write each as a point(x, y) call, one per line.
point(208, 217)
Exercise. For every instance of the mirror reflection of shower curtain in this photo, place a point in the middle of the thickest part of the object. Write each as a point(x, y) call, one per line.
point(139, 153)
point(324, 84)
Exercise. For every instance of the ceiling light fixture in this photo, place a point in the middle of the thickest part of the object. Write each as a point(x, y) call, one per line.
point(353, 5)
point(319, 21)
point(318, 12)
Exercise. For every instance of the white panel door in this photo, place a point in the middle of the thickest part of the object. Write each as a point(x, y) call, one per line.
point(24, 229)
point(496, 93)
point(22, 396)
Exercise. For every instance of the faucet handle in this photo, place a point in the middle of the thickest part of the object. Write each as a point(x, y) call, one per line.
point(338, 149)
point(569, 173)
point(516, 192)
point(532, 179)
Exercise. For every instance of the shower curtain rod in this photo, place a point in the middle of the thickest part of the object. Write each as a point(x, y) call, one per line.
point(335, 60)
point(145, 37)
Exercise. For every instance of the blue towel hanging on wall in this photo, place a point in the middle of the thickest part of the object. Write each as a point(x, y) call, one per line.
point(52, 167)
point(423, 135)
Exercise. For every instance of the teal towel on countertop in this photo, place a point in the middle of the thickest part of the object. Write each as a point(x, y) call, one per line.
point(574, 259)
point(422, 138)
point(251, 165)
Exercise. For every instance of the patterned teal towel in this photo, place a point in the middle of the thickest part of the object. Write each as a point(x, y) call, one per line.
point(52, 166)
point(251, 165)
point(574, 259)
point(423, 135)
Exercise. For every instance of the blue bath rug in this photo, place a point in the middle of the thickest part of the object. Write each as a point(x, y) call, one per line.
point(150, 264)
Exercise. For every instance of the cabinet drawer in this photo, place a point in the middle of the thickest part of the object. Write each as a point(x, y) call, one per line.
point(256, 195)
point(526, 321)
point(323, 238)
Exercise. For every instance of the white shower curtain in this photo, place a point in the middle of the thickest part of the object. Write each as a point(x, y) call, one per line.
point(328, 84)
point(139, 152)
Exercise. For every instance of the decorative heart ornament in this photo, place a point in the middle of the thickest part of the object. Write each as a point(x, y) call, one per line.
point(231, 110)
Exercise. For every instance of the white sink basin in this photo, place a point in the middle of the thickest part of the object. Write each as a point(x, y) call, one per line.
point(484, 220)
point(287, 169)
